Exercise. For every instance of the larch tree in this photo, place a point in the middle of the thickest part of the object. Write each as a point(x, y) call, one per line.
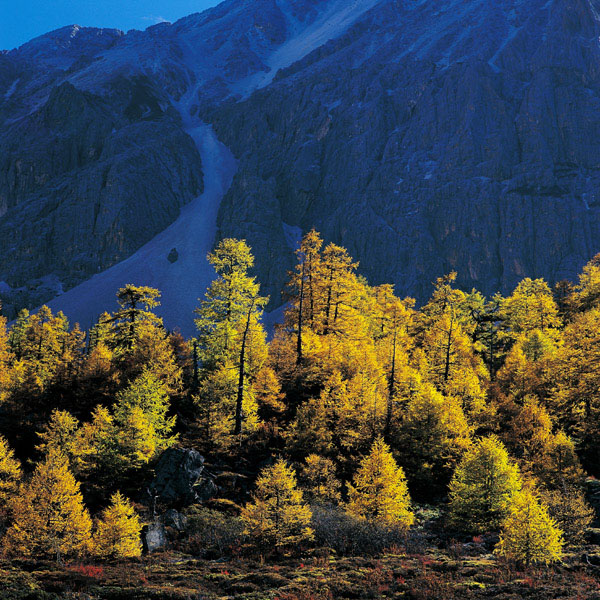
point(102, 452)
point(41, 341)
point(10, 475)
point(570, 511)
point(302, 290)
point(6, 357)
point(118, 530)
point(266, 391)
point(16, 337)
point(319, 480)
point(136, 304)
point(483, 487)
point(60, 435)
point(230, 333)
point(343, 421)
point(436, 434)
point(531, 306)
point(49, 517)
point(277, 517)
point(529, 535)
point(141, 411)
point(587, 292)
point(393, 317)
point(558, 465)
point(379, 492)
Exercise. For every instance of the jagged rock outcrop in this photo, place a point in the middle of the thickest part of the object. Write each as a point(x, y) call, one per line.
point(460, 136)
point(85, 181)
point(423, 136)
point(181, 479)
point(154, 537)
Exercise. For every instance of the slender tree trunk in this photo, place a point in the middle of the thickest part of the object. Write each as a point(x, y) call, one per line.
point(448, 348)
point(388, 418)
point(299, 356)
point(242, 374)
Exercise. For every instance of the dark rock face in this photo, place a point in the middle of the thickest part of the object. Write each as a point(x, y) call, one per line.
point(81, 187)
point(423, 136)
point(174, 520)
point(455, 137)
point(181, 479)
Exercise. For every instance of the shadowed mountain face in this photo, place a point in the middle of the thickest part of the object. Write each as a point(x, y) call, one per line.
point(423, 135)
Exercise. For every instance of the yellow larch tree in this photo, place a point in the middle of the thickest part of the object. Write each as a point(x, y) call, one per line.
point(49, 517)
point(141, 411)
point(378, 492)
point(10, 475)
point(531, 306)
point(576, 377)
point(587, 292)
point(5, 361)
point(320, 481)
point(343, 421)
point(436, 431)
point(118, 530)
point(231, 336)
point(529, 535)
point(483, 487)
point(60, 435)
point(277, 516)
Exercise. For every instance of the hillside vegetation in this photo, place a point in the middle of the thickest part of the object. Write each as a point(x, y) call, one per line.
point(369, 448)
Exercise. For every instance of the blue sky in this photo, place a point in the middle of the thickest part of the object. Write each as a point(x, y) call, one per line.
point(22, 20)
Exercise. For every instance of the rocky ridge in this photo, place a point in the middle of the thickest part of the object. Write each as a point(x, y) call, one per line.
point(423, 136)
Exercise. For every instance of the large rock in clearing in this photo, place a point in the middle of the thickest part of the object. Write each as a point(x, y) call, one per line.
point(181, 478)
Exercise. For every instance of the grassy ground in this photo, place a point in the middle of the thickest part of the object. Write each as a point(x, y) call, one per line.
point(435, 575)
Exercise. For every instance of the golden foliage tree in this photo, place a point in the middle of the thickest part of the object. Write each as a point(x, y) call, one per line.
point(118, 530)
point(49, 517)
point(570, 511)
point(135, 310)
point(319, 480)
point(141, 412)
point(230, 333)
point(60, 435)
point(587, 294)
point(558, 465)
point(343, 421)
point(483, 487)
point(379, 492)
point(531, 306)
point(5, 361)
point(529, 535)
point(277, 517)
point(576, 377)
point(10, 475)
point(437, 432)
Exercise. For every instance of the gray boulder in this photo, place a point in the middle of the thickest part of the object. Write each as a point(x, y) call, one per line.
point(181, 478)
point(174, 520)
point(154, 537)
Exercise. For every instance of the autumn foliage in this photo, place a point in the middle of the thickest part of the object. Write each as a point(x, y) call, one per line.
point(359, 403)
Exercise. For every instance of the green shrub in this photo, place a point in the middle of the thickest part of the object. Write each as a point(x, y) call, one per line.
point(351, 536)
point(212, 534)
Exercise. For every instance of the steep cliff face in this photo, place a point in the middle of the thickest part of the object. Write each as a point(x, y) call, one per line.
point(424, 136)
point(431, 136)
point(84, 183)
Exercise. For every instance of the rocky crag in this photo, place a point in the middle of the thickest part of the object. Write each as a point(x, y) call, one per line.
point(424, 136)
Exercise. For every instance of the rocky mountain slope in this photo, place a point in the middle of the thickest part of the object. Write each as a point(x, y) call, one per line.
point(423, 135)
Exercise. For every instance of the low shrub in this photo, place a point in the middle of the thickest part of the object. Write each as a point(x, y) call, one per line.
point(212, 534)
point(350, 536)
